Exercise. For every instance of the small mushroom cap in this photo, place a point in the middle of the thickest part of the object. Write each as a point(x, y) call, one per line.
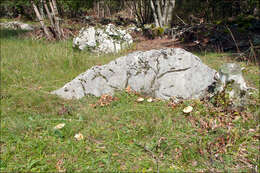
point(140, 99)
point(187, 109)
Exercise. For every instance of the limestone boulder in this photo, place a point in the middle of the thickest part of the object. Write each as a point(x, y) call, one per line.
point(170, 73)
point(108, 39)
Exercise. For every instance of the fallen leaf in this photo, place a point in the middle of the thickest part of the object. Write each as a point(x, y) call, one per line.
point(251, 130)
point(104, 100)
point(115, 154)
point(194, 163)
point(237, 118)
point(187, 109)
point(59, 126)
point(128, 89)
point(63, 110)
point(79, 136)
point(172, 104)
point(59, 166)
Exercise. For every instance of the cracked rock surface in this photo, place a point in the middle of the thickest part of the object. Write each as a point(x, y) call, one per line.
point(165, 73)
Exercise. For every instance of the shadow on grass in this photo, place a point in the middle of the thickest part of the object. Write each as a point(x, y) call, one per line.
point(9, 33)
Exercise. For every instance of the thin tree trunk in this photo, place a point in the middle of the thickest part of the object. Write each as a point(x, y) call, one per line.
point(129, 5)
point(136, 12)
point(57, 19)
point(159, 11)
point(165, 10)
point(41, 9)
point(108, 11)
point(38, 15)
point(142, 11)
point(48, 13)
point(154, 14)
point(98, 9)
point(170, 11)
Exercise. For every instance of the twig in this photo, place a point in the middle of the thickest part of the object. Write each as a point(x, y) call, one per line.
point(59, 119)
point(181, 20)
point(233, 38)
point(252, 50)
point(153, 155)
point(182, 31)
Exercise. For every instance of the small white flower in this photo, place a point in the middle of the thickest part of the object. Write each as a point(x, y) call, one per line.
point(188, 109)
point(78, 136)
point(59, 126)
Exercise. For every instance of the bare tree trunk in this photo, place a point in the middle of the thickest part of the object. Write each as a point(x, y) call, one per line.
point(163, 12)
point(108, 11)
point(56, 19)
point(141, 11)
point(130, 6)
point(159, 11)
point(48, 13)
point(137, 12)
point(41, 9)
point(98, 9)
point(45, 29)
point(154, 14)
point(169, 15)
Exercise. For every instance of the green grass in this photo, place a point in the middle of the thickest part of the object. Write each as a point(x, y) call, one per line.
point(124, 136)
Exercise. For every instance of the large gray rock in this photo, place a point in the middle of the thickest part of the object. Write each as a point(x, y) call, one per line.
point(109, 39)
point(17, 25)
point(166, 73)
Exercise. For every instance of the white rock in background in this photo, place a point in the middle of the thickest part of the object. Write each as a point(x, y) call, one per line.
point(166, 73)
point(87, 37)
point(25, 26)
point(17, 25)
point(107, 40)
